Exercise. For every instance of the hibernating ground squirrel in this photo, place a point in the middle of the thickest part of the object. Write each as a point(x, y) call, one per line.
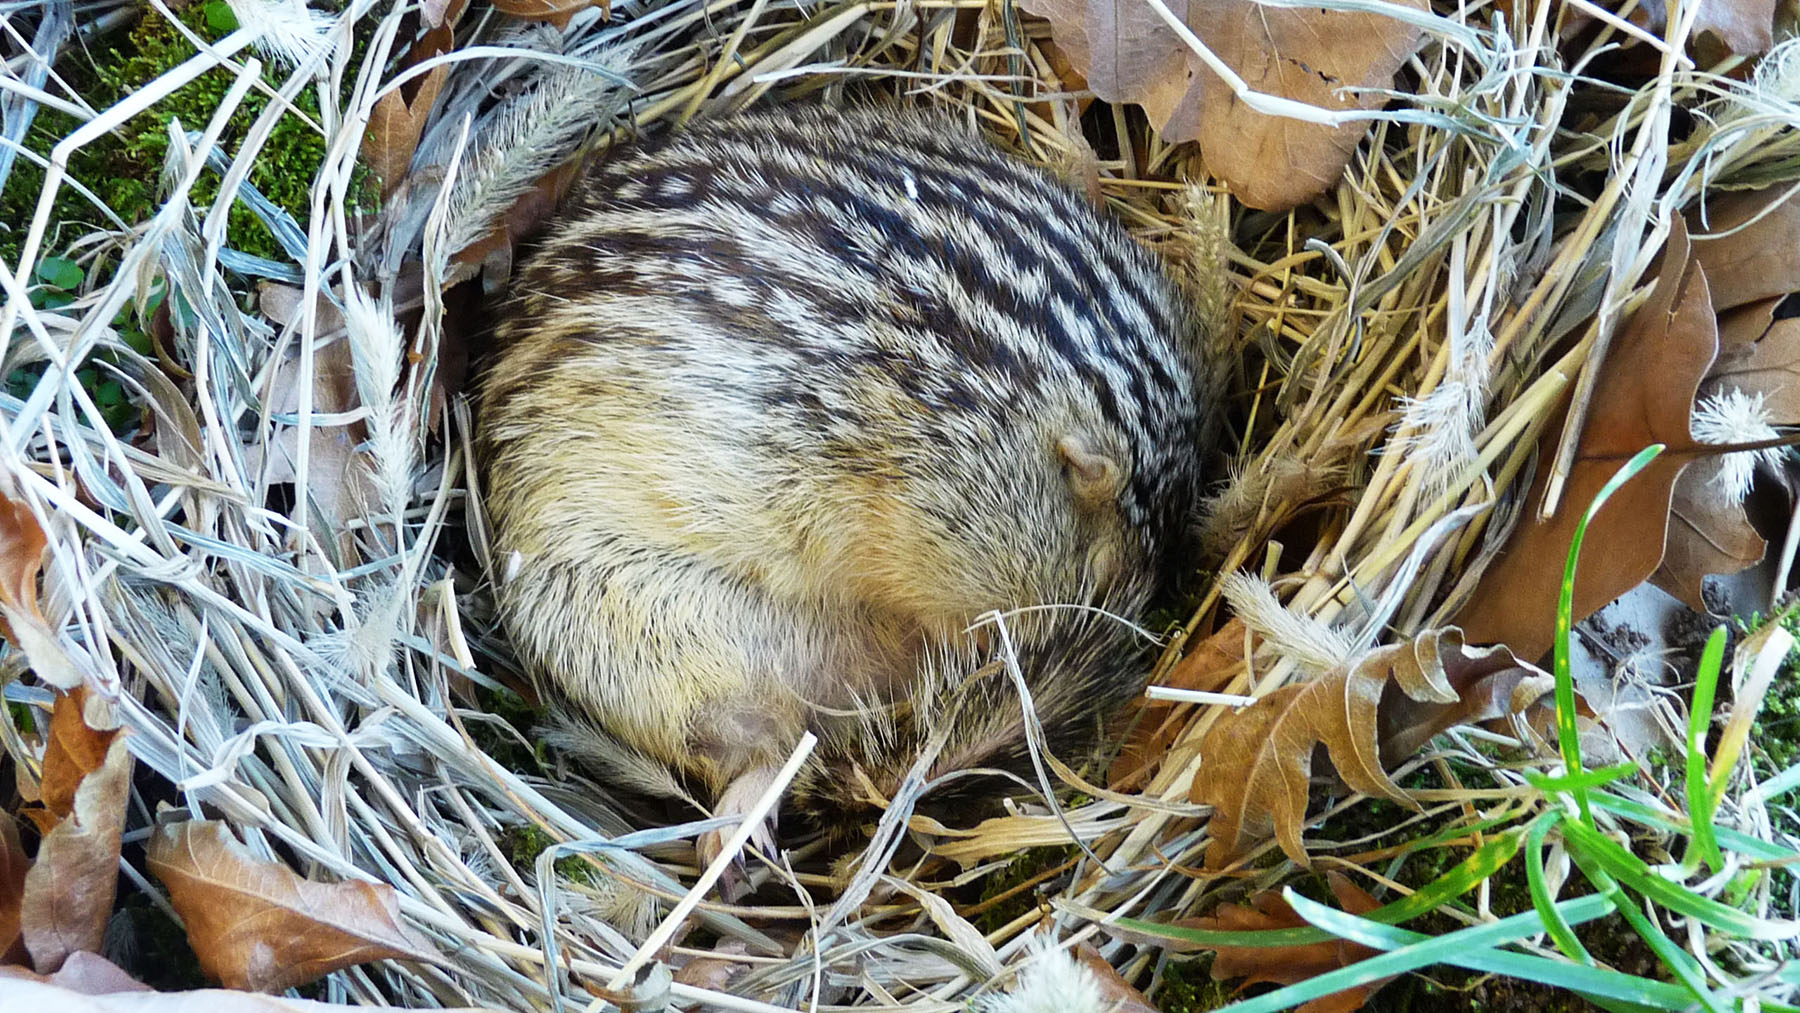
point(781, 404)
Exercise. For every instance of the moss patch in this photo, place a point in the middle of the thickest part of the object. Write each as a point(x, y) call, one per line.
point(123, 166)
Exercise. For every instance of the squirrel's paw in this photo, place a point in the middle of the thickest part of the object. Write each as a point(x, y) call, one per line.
point(738, 799)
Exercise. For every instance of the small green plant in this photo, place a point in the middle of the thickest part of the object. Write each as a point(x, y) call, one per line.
point(1586, 810)
point(59, 281)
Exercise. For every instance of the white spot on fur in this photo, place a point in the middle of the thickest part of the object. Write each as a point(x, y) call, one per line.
point(912, 186)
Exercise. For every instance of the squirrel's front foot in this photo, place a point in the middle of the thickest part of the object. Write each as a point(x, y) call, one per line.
point(738, 799)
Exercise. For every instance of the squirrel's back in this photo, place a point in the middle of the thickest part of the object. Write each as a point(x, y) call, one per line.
point(782, 403)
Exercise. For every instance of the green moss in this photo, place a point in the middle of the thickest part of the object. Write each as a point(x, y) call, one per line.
point(1021, 869)
point(1187, 987)
point(523, 845)
point(123, 166)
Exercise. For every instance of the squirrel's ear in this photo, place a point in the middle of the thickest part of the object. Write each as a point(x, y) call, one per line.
point(1094, 476)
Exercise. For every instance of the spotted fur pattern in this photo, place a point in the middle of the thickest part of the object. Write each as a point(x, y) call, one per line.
point(781, 403)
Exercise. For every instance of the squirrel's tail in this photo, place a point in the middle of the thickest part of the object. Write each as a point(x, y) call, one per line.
point(1047, 678)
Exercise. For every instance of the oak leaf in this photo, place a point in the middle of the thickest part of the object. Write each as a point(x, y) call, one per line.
point(1708, 533)
point(69, 890)
point(1645, 395)
point(1745, 241)
point(1129, 54)
point(256, 924)
point(1256, 764)
point(1288, 965)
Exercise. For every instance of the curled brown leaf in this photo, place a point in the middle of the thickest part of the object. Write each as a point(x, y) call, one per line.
point(1256, 764)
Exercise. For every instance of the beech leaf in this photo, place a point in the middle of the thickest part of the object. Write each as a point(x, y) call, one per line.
point(1288, 965)
point(1256, 764)
point(22, 545)
point(1645, 395)
point(69, 890)
point(72, 751)
point(1129, 54)
point(257, 925)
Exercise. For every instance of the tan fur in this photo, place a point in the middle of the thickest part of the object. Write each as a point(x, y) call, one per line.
point(781, 404)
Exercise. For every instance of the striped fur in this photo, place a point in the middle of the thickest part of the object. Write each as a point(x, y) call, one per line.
point(781, 403)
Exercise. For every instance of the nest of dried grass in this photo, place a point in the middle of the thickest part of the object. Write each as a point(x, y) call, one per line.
point(305, 665)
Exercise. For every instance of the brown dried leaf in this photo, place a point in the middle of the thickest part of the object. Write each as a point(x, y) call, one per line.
point(1746, 27)
point(1645, 395)
point(1256, 764)
point(69, 890)
point(1128, 54)
point(1154, 723)
point(1116, 993)
point(399, 116)
point(1288, 965)
point(84, 973)
point(556, 12)
point(13, 865)
point(257, 925)
point(1708, 533)
point(1749, 260)
point(1769, 365)
point(72, 752)
point(22, 545)
point(338, 483)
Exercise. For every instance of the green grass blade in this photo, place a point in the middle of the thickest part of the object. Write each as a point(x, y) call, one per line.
point(1567, 735)
point(1700, 798)
point(1742, 843)
point(1631, 871)
point(1560, 931)
point(1581, 779)
point(1465, 947)
point(1678, 961)
point(1458, 880)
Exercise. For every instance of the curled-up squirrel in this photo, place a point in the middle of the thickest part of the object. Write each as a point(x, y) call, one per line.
point(782, 404)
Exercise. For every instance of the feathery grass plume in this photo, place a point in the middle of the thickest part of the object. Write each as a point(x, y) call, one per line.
point(1301, 637)
point(377, 348)
point(286, 30)
point(1438, 431)
point(1733, 416)
point(1052, 981)
point(524, 138)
